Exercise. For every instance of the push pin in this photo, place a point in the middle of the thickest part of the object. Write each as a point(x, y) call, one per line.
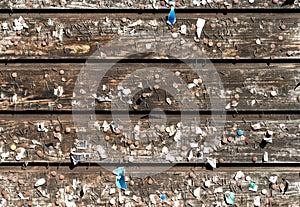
point(14, 75)
point(221, 160)
point(212, 26)
point(53, 174)
point(68, 130)
point(205, 41)
point(240, 132)
point(282, 26)
point(237, 96)
point(289, 53)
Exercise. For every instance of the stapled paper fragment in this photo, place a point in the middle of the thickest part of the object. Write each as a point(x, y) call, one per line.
point(229, 197)
point(212, 162)
point(40, 182)
point(197, 193)
point(200, 25)
point(257, 201)
point(273, 179)
point(253, 187)
point(239, 175)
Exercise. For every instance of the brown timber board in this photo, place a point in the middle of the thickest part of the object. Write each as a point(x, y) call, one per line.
point(79, 36)
point(175, 183)
point(35, 83)
point(141, 4)
point(22, 131)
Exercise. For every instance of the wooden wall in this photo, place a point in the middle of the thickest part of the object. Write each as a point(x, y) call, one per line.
point(64, 66)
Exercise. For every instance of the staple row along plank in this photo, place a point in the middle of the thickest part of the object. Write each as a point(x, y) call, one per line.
point(119, 36)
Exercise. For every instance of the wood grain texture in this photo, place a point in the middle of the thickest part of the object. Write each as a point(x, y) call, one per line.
point(35, 83)
point(141, 4)
point(79, 36)
point(175, 183)
point(123, 146)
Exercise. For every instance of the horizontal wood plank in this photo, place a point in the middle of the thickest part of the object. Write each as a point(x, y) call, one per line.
point(241, 36)
point(252, 86)
point(142, 4)
point(216, 138)
point(175, 183)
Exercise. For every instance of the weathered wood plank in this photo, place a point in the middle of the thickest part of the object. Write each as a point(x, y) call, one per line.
point(34, 86)
point(175, 183)
point(79, 35)
point(142, 4)
point(55, 144)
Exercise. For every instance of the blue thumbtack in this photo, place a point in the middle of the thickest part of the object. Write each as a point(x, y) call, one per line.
point(172, 17)
point(240, 132)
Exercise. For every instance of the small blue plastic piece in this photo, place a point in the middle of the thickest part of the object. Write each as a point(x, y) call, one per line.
point(240, 132)
point(172, 16)
point(120, 178)
point(163, 197)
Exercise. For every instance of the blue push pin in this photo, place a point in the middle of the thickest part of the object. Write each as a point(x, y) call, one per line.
point(172, 17)
point(163, 197)
point(240, 132)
